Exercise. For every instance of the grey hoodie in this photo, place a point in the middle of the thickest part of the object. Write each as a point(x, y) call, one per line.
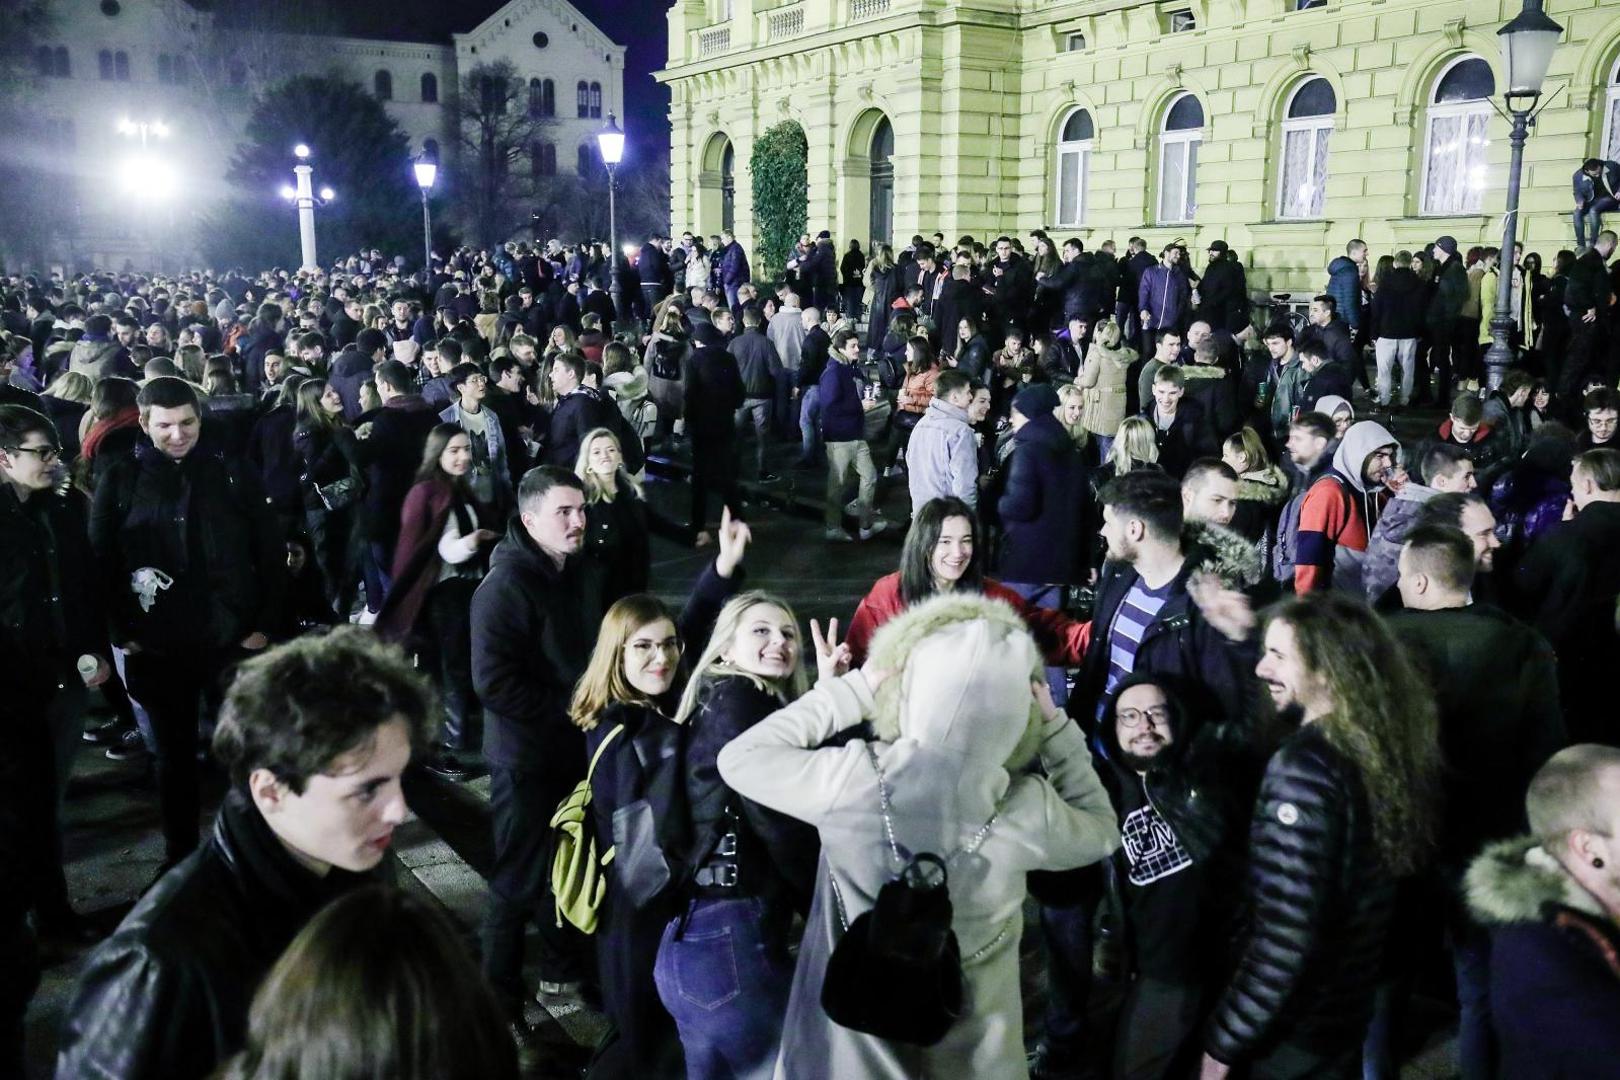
point(1370, 574)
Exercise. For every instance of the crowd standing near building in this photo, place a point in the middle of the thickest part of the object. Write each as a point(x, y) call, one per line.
point(1263, 706)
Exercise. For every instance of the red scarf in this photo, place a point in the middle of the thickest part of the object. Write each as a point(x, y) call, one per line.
point(127, 417)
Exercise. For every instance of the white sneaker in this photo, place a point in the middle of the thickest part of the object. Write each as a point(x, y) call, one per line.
point(837, 535)
point(877, 526)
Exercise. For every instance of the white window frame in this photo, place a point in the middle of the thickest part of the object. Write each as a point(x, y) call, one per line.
point(1177, 142)
point(1080, 148)
point(1477, 107)
point(1319, 127)
point(1610, 149)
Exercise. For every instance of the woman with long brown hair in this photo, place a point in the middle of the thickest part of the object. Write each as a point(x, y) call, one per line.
point(377, 984)
point(441, 557)
point(626, 702)
point(330, 458)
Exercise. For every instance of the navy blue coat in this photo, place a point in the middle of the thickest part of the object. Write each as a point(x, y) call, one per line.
point(1043, 507)
point(842, 417)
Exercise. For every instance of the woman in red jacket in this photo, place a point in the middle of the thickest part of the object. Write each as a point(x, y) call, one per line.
point(941, 553)
point(441, 557)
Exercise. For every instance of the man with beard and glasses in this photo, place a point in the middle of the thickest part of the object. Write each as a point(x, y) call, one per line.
point(1179, 814)
point(1345, 810)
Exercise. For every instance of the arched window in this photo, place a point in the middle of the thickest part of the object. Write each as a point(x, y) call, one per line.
point(104, 64)
point(64, 69)
point(1306, 128)
point(121, 66)
point(596, 101)
point(1178, 160)
point(582, 93)
point(1611, 117)
point(430, 88)
point(587, 158)
point(1073, 155)
point(544, 159)
point(537, 98)
point(548, 99)
point(1455, 143)
point(431, 148)
point(382, 85)
point(44, 62)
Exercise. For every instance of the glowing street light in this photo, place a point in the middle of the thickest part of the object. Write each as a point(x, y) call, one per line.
point(426, 170)
point(304, 196)
point(610, 141)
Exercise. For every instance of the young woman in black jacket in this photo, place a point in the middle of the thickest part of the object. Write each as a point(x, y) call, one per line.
point(625, 702)
point(327, 451)
point(723, 969)
point(618, 520)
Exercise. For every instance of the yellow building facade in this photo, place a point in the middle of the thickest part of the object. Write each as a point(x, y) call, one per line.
point(1285, 127)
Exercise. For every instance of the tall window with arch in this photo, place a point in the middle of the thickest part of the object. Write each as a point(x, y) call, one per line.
point(586, 158)
point(1073, 158)
point(1611, 115)
point(582, 99)
point(537, 98)
point(430, 87)
point(1454, 144)
point(104, 65)
point(548, 99)
point(121, 66)
point(1306, 128)
point(596, 101)
point(382, 85)
point(1178, 160)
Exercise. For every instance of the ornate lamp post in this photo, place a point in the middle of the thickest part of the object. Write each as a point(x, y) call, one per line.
point(610, 141)
point(1528, 42)
point(306, 199)
point(426, 168)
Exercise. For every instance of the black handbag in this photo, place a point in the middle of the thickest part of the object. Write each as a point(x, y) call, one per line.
point(340, 494)
point(896, 972)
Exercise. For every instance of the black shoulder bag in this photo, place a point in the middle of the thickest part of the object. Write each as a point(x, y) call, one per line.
point(897, 970)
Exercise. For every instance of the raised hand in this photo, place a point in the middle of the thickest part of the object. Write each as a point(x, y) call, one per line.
point(1224, 608)
point(734, 537)
point(832, 656)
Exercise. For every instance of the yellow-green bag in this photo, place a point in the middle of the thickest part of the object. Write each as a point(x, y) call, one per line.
point(578, 874)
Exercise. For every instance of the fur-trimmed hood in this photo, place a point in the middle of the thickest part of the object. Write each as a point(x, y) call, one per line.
point(1268, 485)
point(1222, 552)
point(1515, 880)
point(963, 666)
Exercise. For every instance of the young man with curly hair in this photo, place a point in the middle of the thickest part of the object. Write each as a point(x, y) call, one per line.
point(315, 735)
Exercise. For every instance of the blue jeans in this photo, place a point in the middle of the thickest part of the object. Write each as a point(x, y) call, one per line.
point(374, 567)
point(1589, 220)
point(1066, 932)
point(724, 977)
point(810, 424)
point(1049, 597)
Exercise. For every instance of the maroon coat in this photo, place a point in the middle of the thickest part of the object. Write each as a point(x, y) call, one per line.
point(416, 557)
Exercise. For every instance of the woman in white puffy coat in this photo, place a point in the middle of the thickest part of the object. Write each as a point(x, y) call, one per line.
point(959, 700)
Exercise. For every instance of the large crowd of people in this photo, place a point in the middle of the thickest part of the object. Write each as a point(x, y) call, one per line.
point(1264, 706)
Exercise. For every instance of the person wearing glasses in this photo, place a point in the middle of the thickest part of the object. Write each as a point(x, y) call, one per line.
point(53, 636)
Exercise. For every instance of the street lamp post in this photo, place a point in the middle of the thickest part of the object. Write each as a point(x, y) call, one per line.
point(426, 168)
point(147, 177)
point(610, 141)
point(1528, 42)
point(306, 199)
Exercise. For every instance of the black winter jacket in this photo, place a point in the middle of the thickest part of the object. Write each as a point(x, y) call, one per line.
point(1211, 674)
point(1043, 507)
point(50, 603)
point(166, 997)
point(714, 388)
point(533, 628)
point(1398, 305)
point(390, 455)
point(757, 364)
point(270, 451)
point(1318, 910)
point(206, 525)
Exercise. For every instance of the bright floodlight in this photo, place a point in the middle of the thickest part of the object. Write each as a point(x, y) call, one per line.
point(126, 126)
point(426, 170)
point(160, 129)
point(327, 194)
point(301, 151)
point(288, 191)
point(610, 140)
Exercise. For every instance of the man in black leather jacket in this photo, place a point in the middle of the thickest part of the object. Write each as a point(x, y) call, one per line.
point(1346, 809)
point(310, 813)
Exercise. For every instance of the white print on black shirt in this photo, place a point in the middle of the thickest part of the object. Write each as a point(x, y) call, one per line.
point(1151, 847)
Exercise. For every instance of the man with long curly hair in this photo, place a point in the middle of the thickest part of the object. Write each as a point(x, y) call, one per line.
point(1344, 812)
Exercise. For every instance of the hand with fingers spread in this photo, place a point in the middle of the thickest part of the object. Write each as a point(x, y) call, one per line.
point(734, 538)
point(1223, 607)
point(832, 656)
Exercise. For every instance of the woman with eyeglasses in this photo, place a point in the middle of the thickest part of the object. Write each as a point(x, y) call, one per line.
point(630, 691)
